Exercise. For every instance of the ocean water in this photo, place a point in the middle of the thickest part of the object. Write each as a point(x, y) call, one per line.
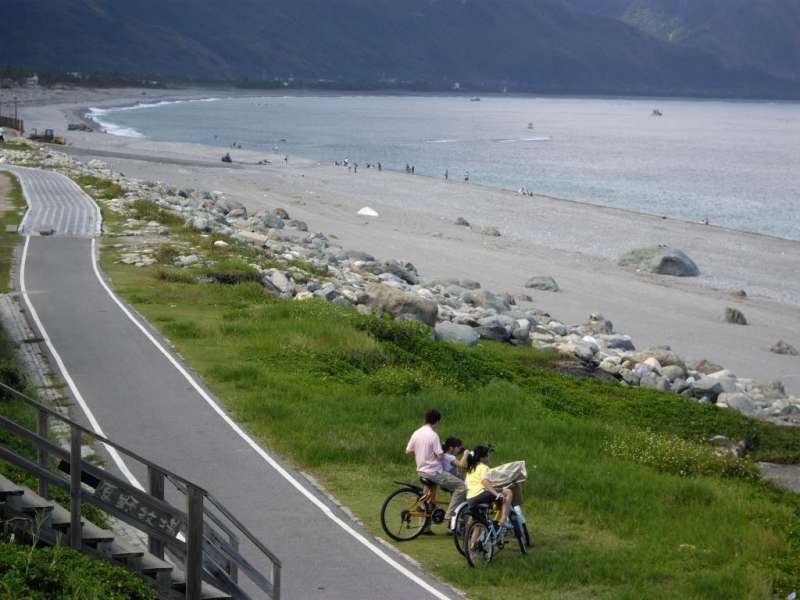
point(737, 163)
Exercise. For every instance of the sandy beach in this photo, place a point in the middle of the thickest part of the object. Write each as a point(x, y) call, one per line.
point(578, 244)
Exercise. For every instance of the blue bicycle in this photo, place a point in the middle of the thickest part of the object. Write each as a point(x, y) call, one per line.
point(484, 537)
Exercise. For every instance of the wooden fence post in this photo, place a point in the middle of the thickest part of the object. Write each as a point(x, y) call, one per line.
point(75, 531)
point(194, 543)
point(41, 453)
point(156, 485)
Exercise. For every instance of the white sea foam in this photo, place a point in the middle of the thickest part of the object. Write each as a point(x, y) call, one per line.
point(99, 115)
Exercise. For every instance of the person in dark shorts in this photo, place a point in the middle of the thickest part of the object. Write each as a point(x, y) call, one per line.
point(479, 489)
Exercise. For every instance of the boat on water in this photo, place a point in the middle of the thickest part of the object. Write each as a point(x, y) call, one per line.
point(476, 99)
point(530, 125)
point(657, 112)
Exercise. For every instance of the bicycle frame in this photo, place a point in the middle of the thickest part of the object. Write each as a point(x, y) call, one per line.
point(427, 499)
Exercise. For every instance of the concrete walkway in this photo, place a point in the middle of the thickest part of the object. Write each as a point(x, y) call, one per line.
point(142, 401)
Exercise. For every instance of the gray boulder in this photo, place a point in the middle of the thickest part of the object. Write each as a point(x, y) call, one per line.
point(273, 222)
point(485, 299)
point(462, 222)
point(237, 213)
point(463, 335)
point(278, 281)
point(782, 347)
point(741, 402)
point(200, 224)
point(620, 342)
point(296, 224)
point(280, 212)
point(706, 367)
point(358, 255)
point(707, 388)
point(493, 328)
point(384, 299)
point(469, 284)
point(660, 260)
point(735, 316)
point(543, 282)
point(491, 231)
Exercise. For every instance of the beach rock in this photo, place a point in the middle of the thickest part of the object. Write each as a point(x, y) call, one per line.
point(663, 356)
point(706, 367)
point(200, 224)
point(738, 401)
point(281, 212)
point(521, 329)
point(299, 225)
point(461, 221)
point(384, 299)
point(706, 388)
point(619, 342)
point(227, 206)
point(485, 299)
point(782, 347)
point(463, 335)
point(734, 316)
point(493, 328)
point(491, 231)
point(328, 292)
point(629, 376)
point(723, 445)
point(660, 260)
point(469, 284)
point(237, 213)
point(598, 324)
point(273, 222)
point(220, 244)
point(543, 282)
point(768, 391)
point(738, 293)
point(279, 282)
point(673, 372)
point(405, 271)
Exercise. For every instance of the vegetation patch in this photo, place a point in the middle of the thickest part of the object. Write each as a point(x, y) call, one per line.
point(11, 215)
point(63, 574)
point(100, 189)
point(145, 210)
point(623, 499)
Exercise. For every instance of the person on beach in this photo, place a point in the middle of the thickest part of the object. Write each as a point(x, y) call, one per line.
point(446, 174)
point(479, 489)
point(286, 159)
point(408, 168)
point(427, 450)
point(466, 177)
point(355, 168)
point(412, 169)
point(380, 167)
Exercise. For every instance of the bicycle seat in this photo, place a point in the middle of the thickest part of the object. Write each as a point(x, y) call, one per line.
point(426, 481)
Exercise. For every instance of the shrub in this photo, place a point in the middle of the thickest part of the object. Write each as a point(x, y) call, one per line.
point(145, 210)
point(63, 574)
point(175, 275)
point(232, 272)
point(103, 189)
point(166, 254)
point(671, 454)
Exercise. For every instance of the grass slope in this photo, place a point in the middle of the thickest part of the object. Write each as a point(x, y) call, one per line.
point(12, 215)
point(623, 501)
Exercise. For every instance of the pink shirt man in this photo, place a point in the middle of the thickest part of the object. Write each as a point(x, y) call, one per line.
point(427, 450)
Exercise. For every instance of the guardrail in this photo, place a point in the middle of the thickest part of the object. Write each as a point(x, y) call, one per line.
point(204, 537)
point(12, 123)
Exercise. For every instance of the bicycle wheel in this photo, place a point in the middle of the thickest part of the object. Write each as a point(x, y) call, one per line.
point(478, 545)
point(403, 516)
point(461, 524)
point(521, 533)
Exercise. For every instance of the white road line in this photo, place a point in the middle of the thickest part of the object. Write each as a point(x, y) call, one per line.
point(65, 374)
point(371, 546)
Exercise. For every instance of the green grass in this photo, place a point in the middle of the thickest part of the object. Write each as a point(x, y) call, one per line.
point(9, 241)
point(623, 500)
point(28, 573)
point(145, 210)
point(16, 145)
point(101, 189)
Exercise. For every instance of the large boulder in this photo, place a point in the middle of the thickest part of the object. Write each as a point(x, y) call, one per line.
point(707, 388)
point(542, 282)
point(463, 335)
point(664, 357)
point(385, 299)
point(660, 260)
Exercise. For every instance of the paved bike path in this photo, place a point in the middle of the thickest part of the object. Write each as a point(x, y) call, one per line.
point(143, 402)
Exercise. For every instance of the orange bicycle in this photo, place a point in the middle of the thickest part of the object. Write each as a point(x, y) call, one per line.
point(409, 511)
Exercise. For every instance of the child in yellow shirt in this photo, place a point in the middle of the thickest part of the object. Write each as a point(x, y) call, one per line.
point(479, 489)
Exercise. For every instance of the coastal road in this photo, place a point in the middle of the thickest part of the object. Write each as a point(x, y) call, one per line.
point(142, 401)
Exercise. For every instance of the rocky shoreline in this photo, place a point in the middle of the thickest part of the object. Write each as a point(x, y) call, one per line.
point(314, 265)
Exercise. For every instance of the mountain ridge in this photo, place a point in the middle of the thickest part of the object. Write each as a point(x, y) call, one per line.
point(525, 45)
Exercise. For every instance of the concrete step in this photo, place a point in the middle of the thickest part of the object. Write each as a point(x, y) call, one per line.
point(207, 591)
point(9, 489)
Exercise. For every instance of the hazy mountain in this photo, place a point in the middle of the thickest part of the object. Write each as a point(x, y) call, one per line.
point(759, 33)
point(528, 44)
